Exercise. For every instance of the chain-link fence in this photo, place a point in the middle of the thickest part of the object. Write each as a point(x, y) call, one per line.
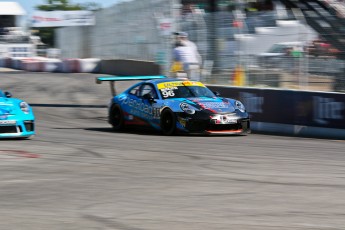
point(228, 41)
point(259, 45)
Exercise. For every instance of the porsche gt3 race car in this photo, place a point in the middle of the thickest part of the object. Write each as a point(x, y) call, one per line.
point(17, 119)
point(175, 106)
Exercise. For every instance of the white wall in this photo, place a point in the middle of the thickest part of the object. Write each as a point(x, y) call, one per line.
point(286, 31)
point(125, 30)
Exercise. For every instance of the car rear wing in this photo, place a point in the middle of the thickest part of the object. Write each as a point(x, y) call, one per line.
point(113, 79)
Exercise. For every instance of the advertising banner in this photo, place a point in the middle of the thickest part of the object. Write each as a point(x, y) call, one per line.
point(62, 18)
point(165, 26)
point(314, 109)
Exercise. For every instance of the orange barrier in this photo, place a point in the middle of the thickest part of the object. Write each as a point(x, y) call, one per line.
point(239, 76)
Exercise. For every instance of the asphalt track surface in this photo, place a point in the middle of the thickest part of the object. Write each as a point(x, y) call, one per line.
point(78, 174)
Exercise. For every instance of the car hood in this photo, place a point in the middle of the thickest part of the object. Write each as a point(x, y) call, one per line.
point(7, 106)
point(215, 105)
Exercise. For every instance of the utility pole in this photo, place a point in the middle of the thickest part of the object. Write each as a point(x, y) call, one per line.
point(212, 5)
point(213, 48)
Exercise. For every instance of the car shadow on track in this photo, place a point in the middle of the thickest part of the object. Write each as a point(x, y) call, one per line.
point(128, 130)
point(15, 139)
point(151, 132)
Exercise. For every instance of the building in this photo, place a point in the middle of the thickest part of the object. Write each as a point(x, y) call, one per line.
point(14, 40)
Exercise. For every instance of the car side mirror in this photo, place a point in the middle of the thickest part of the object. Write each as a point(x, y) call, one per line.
point(149, 97)
point(8, 94)
point(216, 93)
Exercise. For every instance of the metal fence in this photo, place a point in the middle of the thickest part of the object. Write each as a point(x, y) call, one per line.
point(229, 46)
point(141, 29)
point(305, 73)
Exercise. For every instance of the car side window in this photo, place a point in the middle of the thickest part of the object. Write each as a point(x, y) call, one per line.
point(135, 91)
point(148, 89)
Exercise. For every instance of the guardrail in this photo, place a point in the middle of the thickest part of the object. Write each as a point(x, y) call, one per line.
point(291, 112)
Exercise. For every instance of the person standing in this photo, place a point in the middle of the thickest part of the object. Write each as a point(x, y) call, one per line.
point(187, 53)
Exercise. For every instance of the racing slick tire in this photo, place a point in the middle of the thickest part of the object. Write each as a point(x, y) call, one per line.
point(116, 118)
point(168, 122)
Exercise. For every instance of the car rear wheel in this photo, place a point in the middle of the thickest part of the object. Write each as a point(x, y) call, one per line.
point(168, 122)
point(116, 118)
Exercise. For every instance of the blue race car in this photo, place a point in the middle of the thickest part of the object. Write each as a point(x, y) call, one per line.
point(17, 119)
point(173, 106)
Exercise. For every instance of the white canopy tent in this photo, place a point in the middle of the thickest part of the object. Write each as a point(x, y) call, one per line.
point(11, 8)
point(10, 14)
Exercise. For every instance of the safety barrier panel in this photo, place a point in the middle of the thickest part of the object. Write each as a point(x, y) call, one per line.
point(39, 64)
point(89, 65)
point(16, 63)
point(292, 112)
point(70, 66)
point(53, 65)
point(6, 62)
point(33, 65)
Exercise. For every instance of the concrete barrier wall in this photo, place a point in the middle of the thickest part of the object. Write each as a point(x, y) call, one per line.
point(299, 113)
point(40, 64)
point(89, 65)
point(129, 30)
point(129, 67)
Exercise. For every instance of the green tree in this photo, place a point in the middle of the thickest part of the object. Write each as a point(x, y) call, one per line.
point(47, 34)
point(91, 6)
point(58, 5)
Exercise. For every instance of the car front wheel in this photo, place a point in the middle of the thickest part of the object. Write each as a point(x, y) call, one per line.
point(168, 122)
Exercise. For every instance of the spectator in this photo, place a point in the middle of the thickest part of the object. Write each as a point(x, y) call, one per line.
point(192, 59)
point(297, 52)
point(183, 37)
point(187, 56)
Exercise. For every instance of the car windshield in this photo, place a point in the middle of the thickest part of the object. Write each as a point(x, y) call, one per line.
point(185, 89)
point(277, 48)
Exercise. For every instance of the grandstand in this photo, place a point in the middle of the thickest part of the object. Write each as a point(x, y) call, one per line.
point(14, 40)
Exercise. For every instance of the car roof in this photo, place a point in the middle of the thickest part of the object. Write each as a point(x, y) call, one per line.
point(157, 81)
point(289, 43)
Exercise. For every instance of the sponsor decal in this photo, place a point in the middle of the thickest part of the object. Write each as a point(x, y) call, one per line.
point(252, 102)
point(182, 121)
point(4, 112)
point(214, 105)
point(62, 18)
point(2, 117)
point(167, 88)
point(224, 119)
point(140, 109)
point(172, 84)
point(326, 109)
point(7, 122)
point(168, 92)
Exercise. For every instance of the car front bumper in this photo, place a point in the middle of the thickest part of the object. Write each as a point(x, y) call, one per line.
point(209, 126)
point(24, 128)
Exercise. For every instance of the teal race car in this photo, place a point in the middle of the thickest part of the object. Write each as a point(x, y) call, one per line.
point(17, 119)
point(174, 106)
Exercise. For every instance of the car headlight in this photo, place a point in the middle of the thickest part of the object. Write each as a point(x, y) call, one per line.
point(24, 107)
point(187, 108)
point(240, 106)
